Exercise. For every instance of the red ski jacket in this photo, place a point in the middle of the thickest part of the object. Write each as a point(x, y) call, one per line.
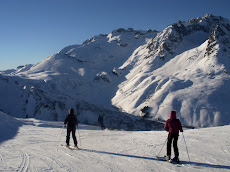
point(173, 125)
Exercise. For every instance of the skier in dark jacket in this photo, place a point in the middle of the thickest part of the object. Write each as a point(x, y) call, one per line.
point(71, 121)
point(173, 126)
point(100, 122)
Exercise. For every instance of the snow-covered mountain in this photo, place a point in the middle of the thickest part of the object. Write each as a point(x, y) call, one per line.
point(185, 67)
point(18, 70)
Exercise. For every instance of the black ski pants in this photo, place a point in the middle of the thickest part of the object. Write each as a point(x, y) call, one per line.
point(172, 137)
point(69, 130)
point(101, 125)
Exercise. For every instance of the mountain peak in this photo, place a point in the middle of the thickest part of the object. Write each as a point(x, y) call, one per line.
point(167, 42)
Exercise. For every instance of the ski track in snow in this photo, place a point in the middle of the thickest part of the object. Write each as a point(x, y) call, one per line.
point(37, 148)
point(25, 162)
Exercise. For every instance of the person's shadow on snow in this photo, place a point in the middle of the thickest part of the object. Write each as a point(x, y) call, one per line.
point(193, 164)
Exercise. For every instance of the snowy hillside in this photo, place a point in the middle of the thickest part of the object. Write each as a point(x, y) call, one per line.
point(19, 69)
point(37, 147)
point(83, 77)
point(185, 67)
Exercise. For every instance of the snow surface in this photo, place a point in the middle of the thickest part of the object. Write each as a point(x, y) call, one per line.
point(35, 145)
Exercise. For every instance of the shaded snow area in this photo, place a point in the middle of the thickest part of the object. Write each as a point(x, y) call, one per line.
point(8, 127)
point(36, 146)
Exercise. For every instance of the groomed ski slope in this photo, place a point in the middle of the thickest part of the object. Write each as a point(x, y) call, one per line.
point(36, 147)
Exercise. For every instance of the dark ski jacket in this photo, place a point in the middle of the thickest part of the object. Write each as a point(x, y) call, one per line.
point(100, 120)
point(71, 120)
point(173, 125)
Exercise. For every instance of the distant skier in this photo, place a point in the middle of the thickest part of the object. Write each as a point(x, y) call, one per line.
point(173, 126)
point(71, 121)
point(100, 122)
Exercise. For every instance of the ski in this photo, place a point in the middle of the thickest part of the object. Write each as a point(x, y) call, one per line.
point(73, 147)
point(162, 158)
point(70, 147)
point(171, 161)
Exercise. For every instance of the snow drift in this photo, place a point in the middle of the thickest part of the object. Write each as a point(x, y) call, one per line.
point(8, 127)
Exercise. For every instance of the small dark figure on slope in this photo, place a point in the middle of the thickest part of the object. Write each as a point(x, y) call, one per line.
point(71, 121)
point(100, 122)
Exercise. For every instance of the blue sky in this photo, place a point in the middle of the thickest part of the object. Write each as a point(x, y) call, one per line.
point(31, 30)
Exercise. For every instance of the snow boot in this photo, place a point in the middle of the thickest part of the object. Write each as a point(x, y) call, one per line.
point(176, 159)
point(168, 158)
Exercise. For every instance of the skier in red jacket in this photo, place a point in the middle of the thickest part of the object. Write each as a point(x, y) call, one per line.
point(173, 126)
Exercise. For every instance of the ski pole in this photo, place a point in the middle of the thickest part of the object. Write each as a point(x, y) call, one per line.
point(186, 147)
point(162, 147)
point(60, 135)
point(79, 135)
